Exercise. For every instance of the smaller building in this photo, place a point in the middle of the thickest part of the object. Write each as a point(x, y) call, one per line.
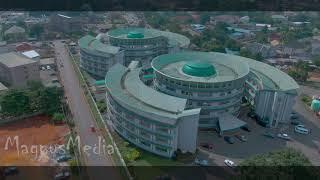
point(16, 70)
point(23, 47)
point(15, 33)
point(96, 58)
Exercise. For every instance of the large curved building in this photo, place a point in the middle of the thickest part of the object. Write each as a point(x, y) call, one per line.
point(124, 45)
point(212, 82)
point(141, 44)
point(194, 90)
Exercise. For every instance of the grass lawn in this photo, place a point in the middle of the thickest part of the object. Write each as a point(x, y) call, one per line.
point(148, 165)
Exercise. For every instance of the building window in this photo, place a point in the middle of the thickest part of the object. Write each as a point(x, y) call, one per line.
point(145, 143)
point(145, 124)
point(162, 129)
point(161, 149)
point(161, 139)
point(145, 134)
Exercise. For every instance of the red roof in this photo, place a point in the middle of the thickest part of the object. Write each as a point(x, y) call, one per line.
point(23, 47)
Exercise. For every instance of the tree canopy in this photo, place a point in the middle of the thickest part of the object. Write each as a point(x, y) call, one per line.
point(283, 163)
point(35, 98)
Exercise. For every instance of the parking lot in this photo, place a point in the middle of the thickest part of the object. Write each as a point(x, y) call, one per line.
point(257, 143)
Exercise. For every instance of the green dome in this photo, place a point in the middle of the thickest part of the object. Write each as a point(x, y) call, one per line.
point(315, 105)
point(199, 69)
point(134, 34)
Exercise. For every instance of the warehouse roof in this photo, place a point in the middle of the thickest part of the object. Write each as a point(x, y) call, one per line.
point(128, 90)
point(145, 33)
point(91, 43)
point(13, 59)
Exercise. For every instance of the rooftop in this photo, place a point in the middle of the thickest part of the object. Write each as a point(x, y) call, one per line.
point(133, 34)
point(272, 78)
point(13, 59)
point(93, 44)
point(200, 67)
point(31, 54)
point(47, 61)
point(3, 87)
point(145, 33)
point(14, 30)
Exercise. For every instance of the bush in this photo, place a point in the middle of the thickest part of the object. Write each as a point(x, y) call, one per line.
point(306, 99)
point(58, 118)
point(131, 154)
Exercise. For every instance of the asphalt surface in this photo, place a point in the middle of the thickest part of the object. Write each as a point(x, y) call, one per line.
point(84, 119)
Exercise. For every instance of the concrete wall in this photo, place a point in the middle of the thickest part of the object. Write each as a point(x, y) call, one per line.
point(274, 107)
point(19, 76)
point(188, 131)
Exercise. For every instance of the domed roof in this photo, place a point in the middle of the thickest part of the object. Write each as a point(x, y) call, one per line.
point(134, 34)
point(199, 69)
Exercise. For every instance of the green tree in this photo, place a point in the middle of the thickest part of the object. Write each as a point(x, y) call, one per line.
point(278, 164)
point(131, 155)
point(50, 99)
point(36, 30)
point(15, 102)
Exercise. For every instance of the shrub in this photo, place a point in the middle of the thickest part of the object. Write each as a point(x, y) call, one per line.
point(58, 118)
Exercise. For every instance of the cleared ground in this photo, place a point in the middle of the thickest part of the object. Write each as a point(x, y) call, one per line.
point(33, 131)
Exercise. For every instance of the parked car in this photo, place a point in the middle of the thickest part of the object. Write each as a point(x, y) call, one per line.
point(301, 129)
point(201, 162)
point(229, 163)
point(293, 116)
point(246, 128)
point(207, 146)
point(269, 135)
point(229, 139)
point(284, 136)
point(295, 122)
point(64, 158)
point(62, 175)
point(43, 68)
point(10, 170)
point(241, 138)
point(48, 67)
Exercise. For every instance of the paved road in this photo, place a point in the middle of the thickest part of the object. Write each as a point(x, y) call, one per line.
point(83, 118)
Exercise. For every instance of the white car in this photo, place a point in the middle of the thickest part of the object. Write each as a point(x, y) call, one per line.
point(284, 136)
point(229, 163)
point(201, 162)
point(301, 129)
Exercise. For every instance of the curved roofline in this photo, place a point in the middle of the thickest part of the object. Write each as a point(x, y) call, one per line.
point(206, 56)
point(92, 44)
point(149, 33)
point(126, 88)
point(279, 78)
